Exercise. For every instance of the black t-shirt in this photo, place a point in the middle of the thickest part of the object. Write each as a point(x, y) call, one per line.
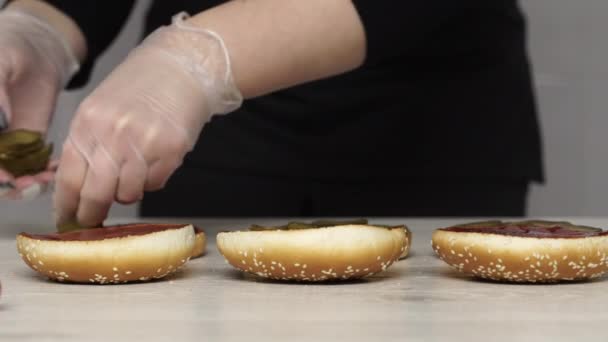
point(445, 93)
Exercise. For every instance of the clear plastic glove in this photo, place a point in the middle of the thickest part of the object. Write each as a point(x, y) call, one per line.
point(35, 64)
point(134, 130)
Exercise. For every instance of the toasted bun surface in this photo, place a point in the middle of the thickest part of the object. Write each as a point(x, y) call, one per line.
point(543, 256)
point(408, 243)
point(200, 245)
point(138, 257)
point(316, 254)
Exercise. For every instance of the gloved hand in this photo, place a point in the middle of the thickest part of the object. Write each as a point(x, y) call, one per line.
point(35, 64)
point(134, 130)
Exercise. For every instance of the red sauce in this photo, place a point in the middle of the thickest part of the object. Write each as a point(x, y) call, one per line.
point(96, 234)
point(530, 231)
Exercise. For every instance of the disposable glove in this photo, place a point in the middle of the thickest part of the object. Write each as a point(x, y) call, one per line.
point(134, 130)
point(35, 64)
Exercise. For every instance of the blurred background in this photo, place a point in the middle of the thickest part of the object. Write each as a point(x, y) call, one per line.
point(569, 52)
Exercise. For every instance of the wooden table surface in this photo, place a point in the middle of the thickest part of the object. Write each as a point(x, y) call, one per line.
point(417, 299)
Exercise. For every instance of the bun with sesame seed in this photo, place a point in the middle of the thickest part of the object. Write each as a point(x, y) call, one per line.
point(314, 252)
point(200, 243)
point(525, 251)
point(407, 244)
point(109, 255)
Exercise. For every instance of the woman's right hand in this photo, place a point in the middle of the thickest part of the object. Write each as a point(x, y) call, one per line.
point(35, 64)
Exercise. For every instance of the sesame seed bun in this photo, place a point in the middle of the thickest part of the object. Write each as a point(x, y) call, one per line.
point(314, 254)
point(408, 243)
point(200, 243)
point(562, 253)
point(131, 257)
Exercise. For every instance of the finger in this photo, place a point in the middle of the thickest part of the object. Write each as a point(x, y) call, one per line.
point(34, 114)
point(6, 183)
point(160, 169)
point(6, 179)
point(31, 192)
point(99, 188)
point(3, 120)
point(53, 165)
point(68, 182)
point(5, 104)
point(159, 173)
point(27, 188)
point(132, 177)
point(45, 177)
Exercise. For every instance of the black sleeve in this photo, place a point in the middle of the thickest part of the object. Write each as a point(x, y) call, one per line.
point(100, 22)
point(398, 28)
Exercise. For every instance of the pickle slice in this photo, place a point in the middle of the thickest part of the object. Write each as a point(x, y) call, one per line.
point(28, 164)
point(296, 225)
point(69, 226)
point(19, 139)
point(24, 152)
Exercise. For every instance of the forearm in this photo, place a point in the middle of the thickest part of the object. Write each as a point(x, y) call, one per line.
point(61, 23)
point(274, 44)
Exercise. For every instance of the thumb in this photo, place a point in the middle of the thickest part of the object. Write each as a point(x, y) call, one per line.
point(5, 103)
point(6, 179)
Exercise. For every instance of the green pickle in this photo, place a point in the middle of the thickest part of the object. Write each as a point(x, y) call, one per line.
point(303, 225)
point(24, 152)
point(69, 226)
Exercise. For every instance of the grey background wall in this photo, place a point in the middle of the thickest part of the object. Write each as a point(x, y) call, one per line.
point(569, 51)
